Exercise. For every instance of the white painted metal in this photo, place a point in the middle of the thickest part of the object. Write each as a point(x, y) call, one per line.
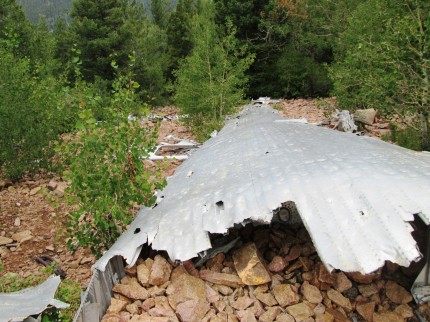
point(355, 195)
point(17, 306)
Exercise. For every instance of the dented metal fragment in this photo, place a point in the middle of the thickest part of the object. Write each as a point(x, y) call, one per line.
point(17, 306)
point(355, 195)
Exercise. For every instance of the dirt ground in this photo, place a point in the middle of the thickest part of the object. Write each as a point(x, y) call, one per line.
point(30, 208)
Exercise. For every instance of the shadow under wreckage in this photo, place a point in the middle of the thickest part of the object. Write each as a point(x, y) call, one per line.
point(356, 196)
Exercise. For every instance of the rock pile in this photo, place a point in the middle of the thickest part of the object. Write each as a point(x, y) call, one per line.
point(273, 274)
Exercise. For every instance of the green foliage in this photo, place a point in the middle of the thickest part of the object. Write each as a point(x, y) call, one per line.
point(107, 172)
point(385, 61)
point(99, 30)
point(68, 291)
point(408, 137)
point(161, 11)
point(178, 33)
point(28, 117)
point(152, 59)
point(211, 81)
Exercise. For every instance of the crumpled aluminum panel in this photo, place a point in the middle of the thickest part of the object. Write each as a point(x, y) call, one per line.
point(354, 194)
point(17, 306)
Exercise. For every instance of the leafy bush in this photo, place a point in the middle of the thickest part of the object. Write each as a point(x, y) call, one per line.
point(28, 116)
point(107, 173)
point(408, 137)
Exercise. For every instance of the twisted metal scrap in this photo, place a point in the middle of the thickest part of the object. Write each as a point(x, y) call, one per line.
point(355, 195)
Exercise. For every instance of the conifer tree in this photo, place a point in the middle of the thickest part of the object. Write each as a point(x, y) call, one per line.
point(178, 33)
point(98, 29)
point(161, 11)
point(211, 81)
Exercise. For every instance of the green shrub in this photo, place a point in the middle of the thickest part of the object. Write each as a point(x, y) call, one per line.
point(107, 173)
point(408, 138)
point(28, 117)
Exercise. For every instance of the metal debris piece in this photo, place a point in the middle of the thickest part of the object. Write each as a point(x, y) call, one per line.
point(19, 305)
point(211, 253)
point(344, 121)
point(302, 120)
point(264, 101)
point(182, 144)
point(355, 195)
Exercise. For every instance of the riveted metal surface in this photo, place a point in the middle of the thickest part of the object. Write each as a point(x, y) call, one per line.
point(355, 195)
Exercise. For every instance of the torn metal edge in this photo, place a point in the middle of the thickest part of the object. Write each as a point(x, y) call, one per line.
point(17, 306)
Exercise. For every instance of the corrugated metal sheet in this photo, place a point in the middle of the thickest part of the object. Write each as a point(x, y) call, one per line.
point(97, 297)
point(17, 306)
point(354, 194)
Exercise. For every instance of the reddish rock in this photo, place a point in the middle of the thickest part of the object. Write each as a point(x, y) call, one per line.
point(246, 316)
point(192, 310)
point(324, 275)
point(249, 266)
point(342, 282)
point(5, 240)
point(160, 271)
point(221, 278)
point(296, 265)
point(162, 308)
point(364, 279)
point(113, 317)
point(294, 253)
point(185, 288)
point(286, 294)
point(266, 298)
point(22, 236)
point(216, 260)
point(242, 303)
point(307, 264)
point(224, 290)
point(258, 309)
point(311, 293)
point(211, 295)
point(319, 308)
point(366, 116)
point(284, 317)
point(277, 264)
point(52, 185)
point(368, 290)
point(143, 273)
point(131, 271)
point(116, 306)
point(270, 315)
point(189, 267)
point(177, 272)
point(366, 310)
point(132, 290)
point(338, 316)
point(325, 317)
point(404, 311)
point(387, 317)
point(148, 304)
point(339, 299)
point(397, 293)
point(34, 191)
point(132, 308)
point(300, 311)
